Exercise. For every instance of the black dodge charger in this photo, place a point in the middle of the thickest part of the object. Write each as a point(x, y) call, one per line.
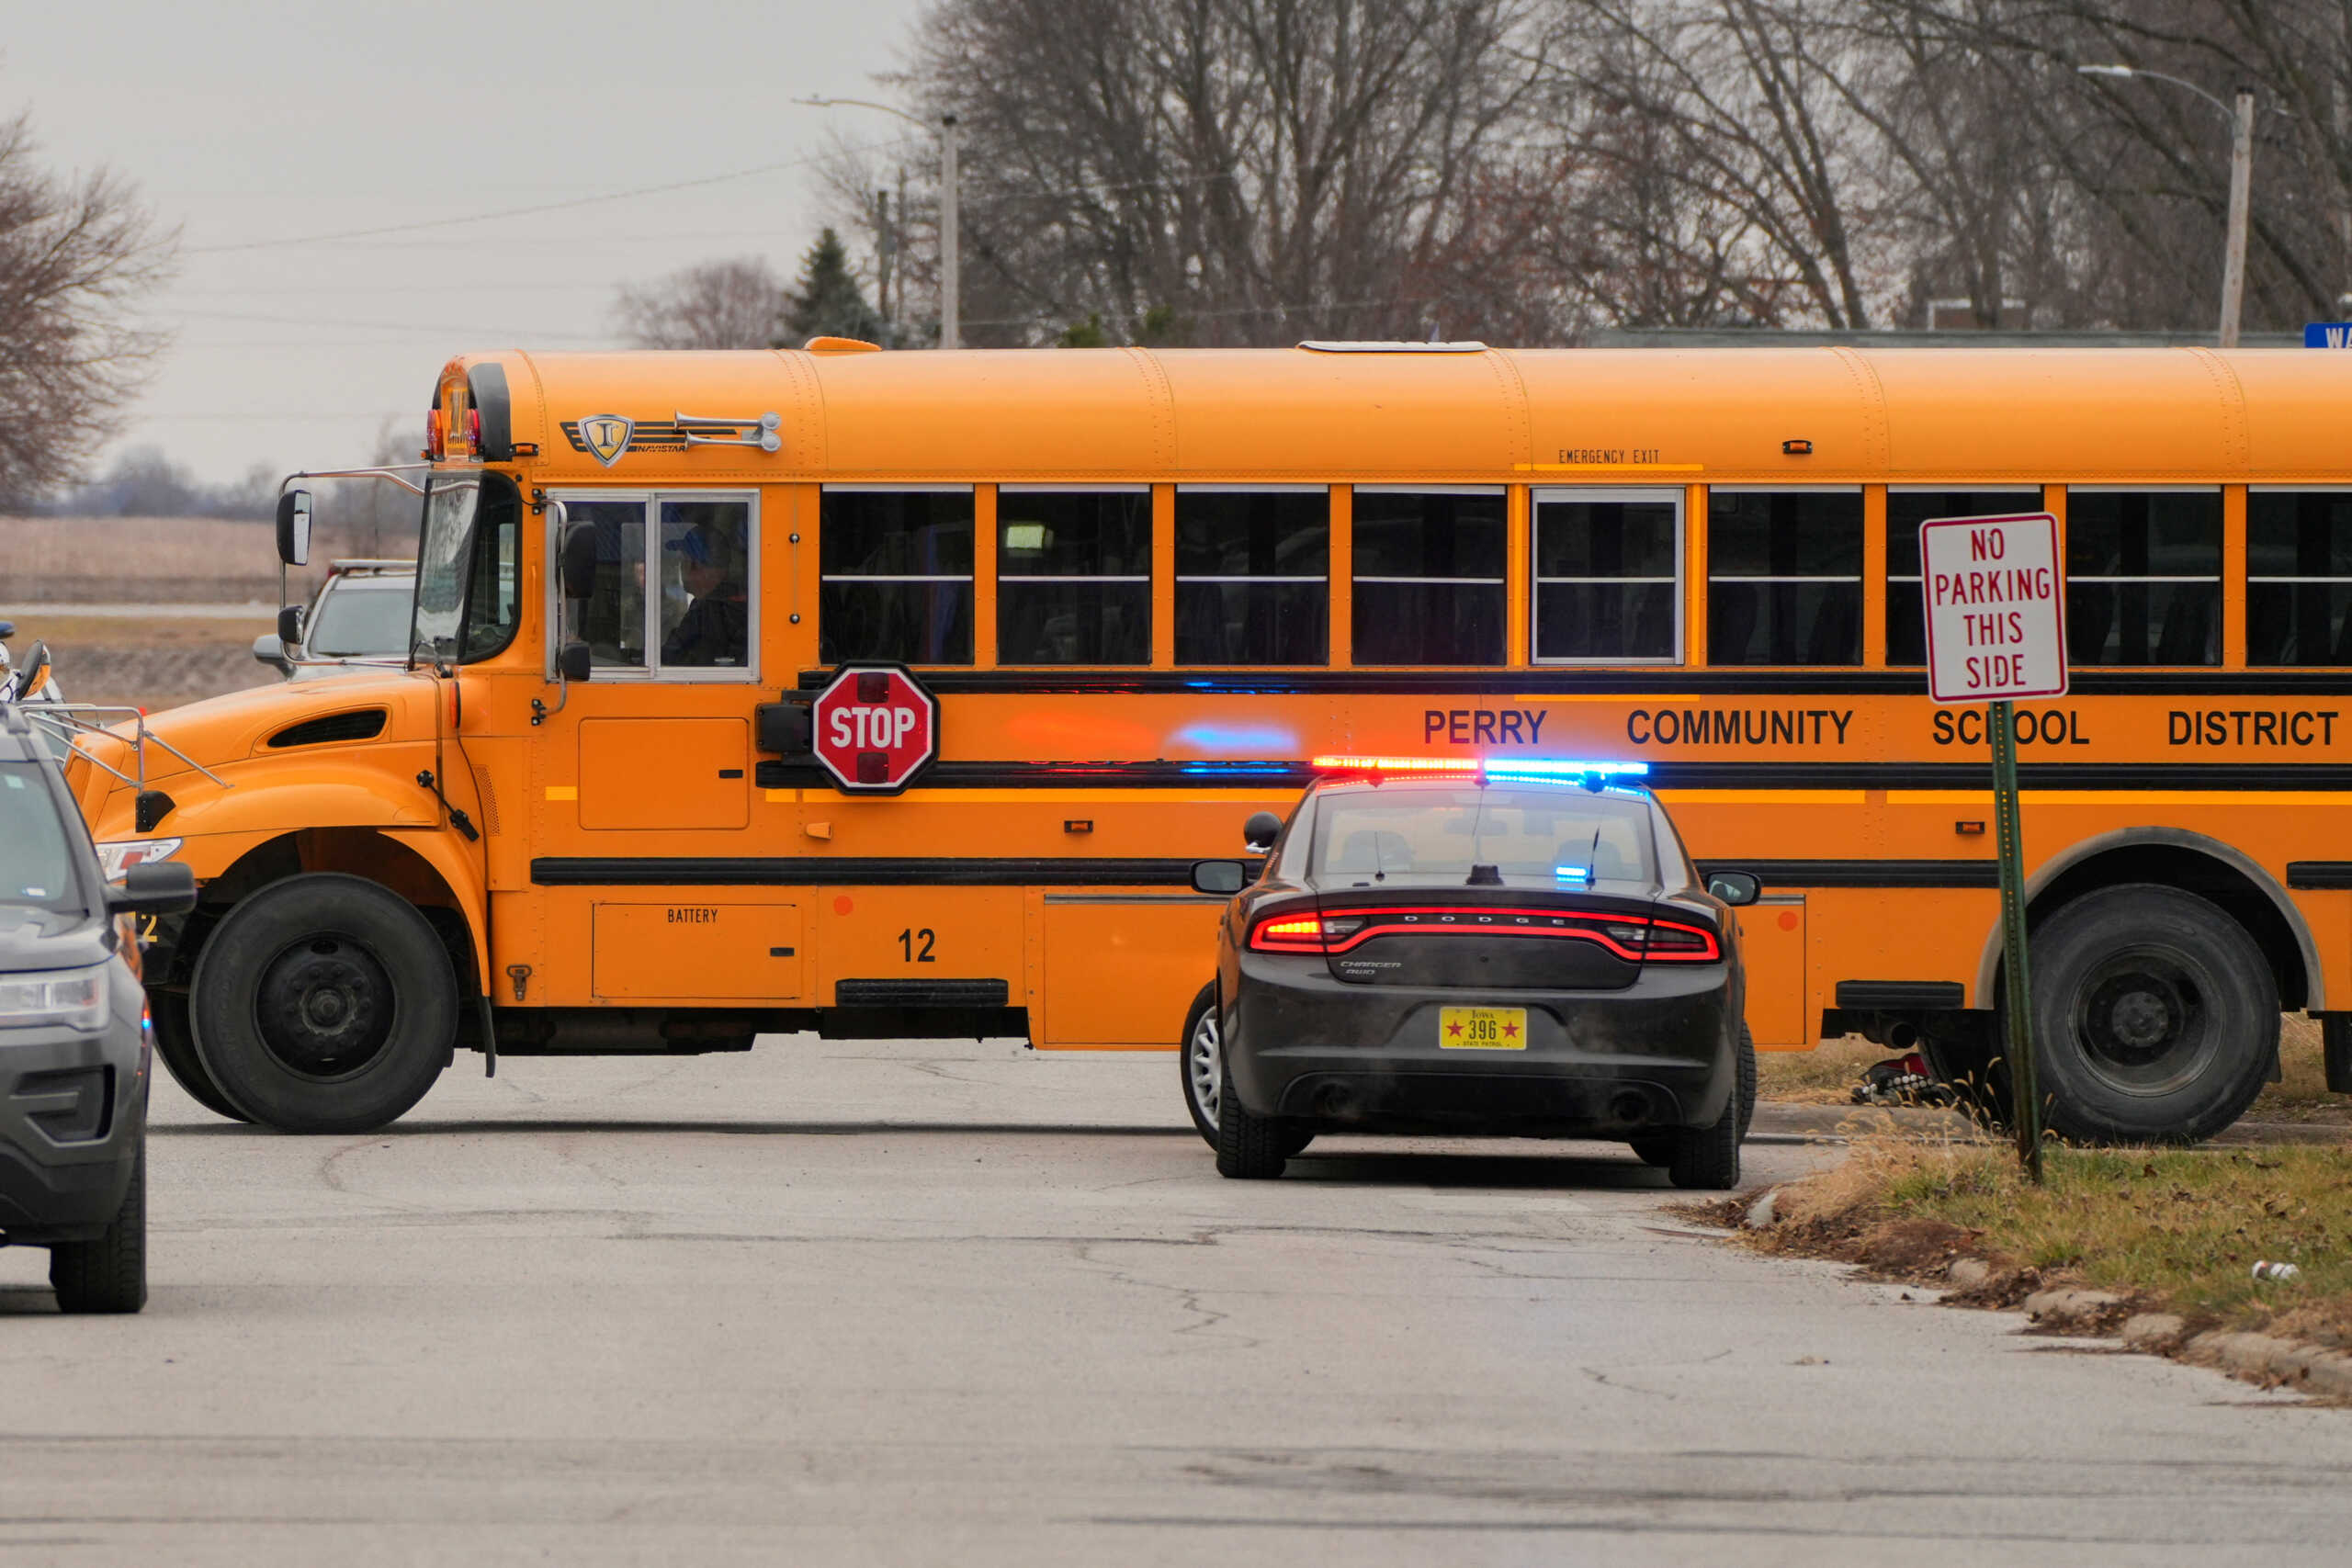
point(1517, 949)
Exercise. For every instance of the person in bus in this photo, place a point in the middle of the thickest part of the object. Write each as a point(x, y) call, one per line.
point(715, 629)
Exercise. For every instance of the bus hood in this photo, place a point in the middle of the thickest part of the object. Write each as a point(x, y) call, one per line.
point(227, 762)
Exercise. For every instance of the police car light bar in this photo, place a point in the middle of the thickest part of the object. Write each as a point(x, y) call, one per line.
point(1498, 767)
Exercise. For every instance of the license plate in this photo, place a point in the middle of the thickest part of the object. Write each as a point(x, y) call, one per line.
point(1482, 1028)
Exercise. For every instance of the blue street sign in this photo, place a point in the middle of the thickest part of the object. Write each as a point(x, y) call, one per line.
point(2328, 335)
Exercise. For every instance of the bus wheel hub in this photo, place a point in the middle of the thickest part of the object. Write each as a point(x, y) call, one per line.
point(324, 1008)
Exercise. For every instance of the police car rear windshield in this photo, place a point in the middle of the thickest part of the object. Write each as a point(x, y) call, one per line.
point(36, 856)
point(1419, 836)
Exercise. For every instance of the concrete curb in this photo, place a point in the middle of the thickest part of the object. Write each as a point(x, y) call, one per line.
point(2273, 1362)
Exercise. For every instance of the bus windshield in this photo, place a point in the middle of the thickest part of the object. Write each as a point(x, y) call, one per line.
point(468, 570)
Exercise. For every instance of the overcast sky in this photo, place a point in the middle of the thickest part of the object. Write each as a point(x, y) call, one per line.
point(259, 127)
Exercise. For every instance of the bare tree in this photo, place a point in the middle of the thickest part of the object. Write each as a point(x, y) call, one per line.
point(714, 304)
point(77, 256)
point(1232, 170)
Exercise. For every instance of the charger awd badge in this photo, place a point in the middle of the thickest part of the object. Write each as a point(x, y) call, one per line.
point(607, 436)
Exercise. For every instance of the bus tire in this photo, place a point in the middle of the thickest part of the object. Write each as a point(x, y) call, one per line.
point(2155, 1016)
point(1201, 1063)
point(176, 1044)
point(324, 1003)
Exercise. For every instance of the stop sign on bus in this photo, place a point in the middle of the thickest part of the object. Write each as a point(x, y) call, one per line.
point(874, 727)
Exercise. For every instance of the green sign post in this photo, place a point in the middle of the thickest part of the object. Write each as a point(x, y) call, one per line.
point(1995, 595)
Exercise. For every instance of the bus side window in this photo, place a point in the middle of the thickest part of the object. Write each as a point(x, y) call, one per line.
point(895, 574)
point(1252, 566)
point(1906, 623)
point(1073, 575)
point(612, 619)
point(1784, 576)
point(2144, 576)
point(1427, 575)
point(706, 574)
point(2298, 577)
point(1608, 575)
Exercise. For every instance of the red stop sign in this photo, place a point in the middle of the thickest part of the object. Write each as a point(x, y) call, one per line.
point(875, 728)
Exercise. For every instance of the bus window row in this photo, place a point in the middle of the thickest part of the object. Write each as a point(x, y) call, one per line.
point(1428, 575)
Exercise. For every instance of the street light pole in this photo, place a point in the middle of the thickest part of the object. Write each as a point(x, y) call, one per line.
point(2241, 118)
point(950, 316)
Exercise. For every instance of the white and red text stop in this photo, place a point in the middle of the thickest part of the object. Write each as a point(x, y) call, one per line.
point(874, 727)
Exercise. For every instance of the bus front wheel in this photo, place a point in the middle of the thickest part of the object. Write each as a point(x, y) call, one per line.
point(323, 1003)
point(2155, 1016)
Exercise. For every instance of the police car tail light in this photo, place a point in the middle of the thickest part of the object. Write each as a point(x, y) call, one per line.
point(1688, 945)
point(1288, 933)
point(1466, 766)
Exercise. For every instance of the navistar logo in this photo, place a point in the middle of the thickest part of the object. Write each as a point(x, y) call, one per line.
point(605, 435)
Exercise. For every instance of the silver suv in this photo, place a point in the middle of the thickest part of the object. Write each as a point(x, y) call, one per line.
point(74, 1053)
point(358, 618)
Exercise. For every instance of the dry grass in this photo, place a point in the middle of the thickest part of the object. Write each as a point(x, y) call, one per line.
point(2176, 1228)
point(1826, 1075)
point(150, 662)
point(159, 561)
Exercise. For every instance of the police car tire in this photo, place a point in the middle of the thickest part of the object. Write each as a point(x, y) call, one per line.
point(1203, 1121)
point(176, 1044)
point(1654, 1148)
point(1746, 1081)
point(324, 906)
point(1250, 1147)
point(108, 1273)
point(1707, 1159)
point(2232, 988)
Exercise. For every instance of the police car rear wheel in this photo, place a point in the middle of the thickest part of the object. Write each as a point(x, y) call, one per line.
point(1201, 1062)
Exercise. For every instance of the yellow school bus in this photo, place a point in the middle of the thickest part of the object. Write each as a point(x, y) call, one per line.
point(1144, 587)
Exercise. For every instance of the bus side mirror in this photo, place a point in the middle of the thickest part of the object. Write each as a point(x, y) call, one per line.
point(578, 560)
point(294, 527)
point(1734, 887)
point(1261, 831)
point(1221, 878)
point(571, 661)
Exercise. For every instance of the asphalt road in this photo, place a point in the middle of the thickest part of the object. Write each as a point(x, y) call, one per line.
point(839, 1304)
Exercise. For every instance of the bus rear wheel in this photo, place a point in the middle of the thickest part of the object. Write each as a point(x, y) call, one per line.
point(2155, 1016)
point(323, 1003)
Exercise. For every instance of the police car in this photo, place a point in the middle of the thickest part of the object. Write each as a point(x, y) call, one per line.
point(1464, 947)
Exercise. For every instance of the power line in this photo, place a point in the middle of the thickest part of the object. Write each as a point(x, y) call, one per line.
point(538, 207)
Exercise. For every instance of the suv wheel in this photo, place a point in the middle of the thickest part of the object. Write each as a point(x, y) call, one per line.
point(109, 1274)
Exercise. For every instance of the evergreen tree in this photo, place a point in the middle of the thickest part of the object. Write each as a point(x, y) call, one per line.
point(828, 302)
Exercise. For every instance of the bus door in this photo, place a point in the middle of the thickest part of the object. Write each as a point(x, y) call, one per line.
point(645, 766)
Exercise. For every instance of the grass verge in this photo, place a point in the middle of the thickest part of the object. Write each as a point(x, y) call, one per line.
point(2176, 1230)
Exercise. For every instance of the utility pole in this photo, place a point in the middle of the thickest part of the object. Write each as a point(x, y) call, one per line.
point(950, 334)
point(2241, 179)
point(2241, 120)
point(950, 316)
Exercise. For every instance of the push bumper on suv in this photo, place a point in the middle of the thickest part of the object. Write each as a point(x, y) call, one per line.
point(73, 1112)
point(1661, 1052)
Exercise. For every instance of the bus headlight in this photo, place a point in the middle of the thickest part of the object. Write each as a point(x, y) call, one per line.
point(119, 856)
point(76, 997)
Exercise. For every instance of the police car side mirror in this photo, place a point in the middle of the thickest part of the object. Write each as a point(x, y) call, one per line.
point(1261, 831)
point(572, 661)
point(1222, 877)
point(1734, 887)
point(294, 527)
point(161, 888)
point(290, 626)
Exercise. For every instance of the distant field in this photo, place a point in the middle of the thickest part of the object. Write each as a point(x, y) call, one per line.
point(159, 561)
point(150, 663)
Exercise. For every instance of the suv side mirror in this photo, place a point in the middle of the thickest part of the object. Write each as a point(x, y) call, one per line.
point(572, 661)
point(1734, 887)
point(1261, 831)
point(294, 527)
point(160, 887)
point(270, 649)
point(578, 565)
point(1221, 878)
